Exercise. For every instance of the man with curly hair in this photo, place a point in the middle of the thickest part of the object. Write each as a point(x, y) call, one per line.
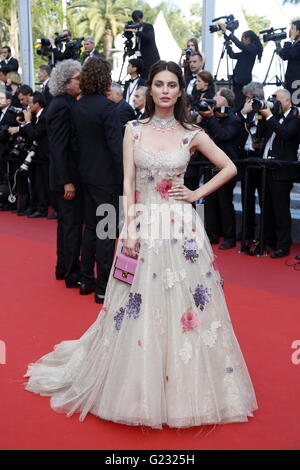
point(64, 175)
point(99, 135)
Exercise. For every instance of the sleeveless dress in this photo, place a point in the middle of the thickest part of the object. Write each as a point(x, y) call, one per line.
point(162, 350)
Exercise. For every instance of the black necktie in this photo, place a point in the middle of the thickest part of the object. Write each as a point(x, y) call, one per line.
point(132, 80)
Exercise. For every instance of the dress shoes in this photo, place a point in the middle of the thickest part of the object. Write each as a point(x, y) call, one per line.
point(71, 284)
point(297, 257)
point(86, 289)
point(52, 216)
point(99, 298)
point(280, 254)
point(227, 245)
point(37, 215)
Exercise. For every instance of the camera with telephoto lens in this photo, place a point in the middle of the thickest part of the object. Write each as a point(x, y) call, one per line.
point(45, 47)
point(271, 35)
point(20, 146)
point(231, 24)
point(18, 112)
point(187, 52)
point(204, 106)
point(28, 159)
point(272, 103)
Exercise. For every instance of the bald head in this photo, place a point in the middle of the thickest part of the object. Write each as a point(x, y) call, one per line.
point(285, 99)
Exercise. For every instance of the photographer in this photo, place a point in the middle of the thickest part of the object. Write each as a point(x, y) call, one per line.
point(134, 69)
point(252, 146)
point(64, 173)
point(184, 62)
point(9, 63)
point(205, 86)
point(291, 53)
point(24, 94)
point(251, 48)
point(224, 127)
point(89, 49)
point(7, 119)
point(282, 142)
point(33, 129)
point(145, 47)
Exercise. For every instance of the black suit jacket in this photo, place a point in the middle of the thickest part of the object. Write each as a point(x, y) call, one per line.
point(95, 54)
point(6, 142)
point(242, 73)
point(47, 95)
point(225, 132)
point(148, 48)
point(63, 154)
point(12, 66)
point(258, 139)
point(194, 93)
point(126, 113)
point(285, 144)
point(140, 82)
point(99, 135)
point(37, 131)
point(291, 52)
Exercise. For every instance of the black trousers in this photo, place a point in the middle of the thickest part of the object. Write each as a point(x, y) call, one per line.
point(219, 212)
point(41, 186)
point(94, 248)
point(239, 96)
point(254, 183)
point(69, 235)
point(278, 221)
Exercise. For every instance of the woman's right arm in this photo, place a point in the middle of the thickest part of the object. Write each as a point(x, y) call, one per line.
point(130, 243)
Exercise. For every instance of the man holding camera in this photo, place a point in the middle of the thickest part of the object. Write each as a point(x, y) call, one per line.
point(224, 127)
point(291, 53)
point(145, 47)
point(7, 119)
point(33, 128)
point(282, 142)
point(252, 146)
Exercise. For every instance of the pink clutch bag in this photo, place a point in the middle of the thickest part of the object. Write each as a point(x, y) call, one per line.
point(125, 268)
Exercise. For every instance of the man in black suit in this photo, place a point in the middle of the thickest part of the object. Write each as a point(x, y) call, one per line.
point(139, 102)
point(134, 69)
point(145, 47)
point(195, 64)
point(64, 174)
point(252, 146)
point(282, 143)
point(224, 127)
point(34, 130)
point(9, 63)
point(7, 118)
point(291, 53)
point(125, 110)
point(89, 49)
point(44, 72)
point(99, 135)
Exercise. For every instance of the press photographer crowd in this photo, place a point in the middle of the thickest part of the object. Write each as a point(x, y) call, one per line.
point(61, 146)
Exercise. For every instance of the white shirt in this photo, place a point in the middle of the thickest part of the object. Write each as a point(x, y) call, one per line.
point(269, 144)
point(130, 91)
point(191, 85)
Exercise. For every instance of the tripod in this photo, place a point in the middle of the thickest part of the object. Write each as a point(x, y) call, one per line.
point(279, 80)
point(229, 77)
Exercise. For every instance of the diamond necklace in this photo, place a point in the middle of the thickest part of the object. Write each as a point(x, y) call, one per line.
point(163, 125)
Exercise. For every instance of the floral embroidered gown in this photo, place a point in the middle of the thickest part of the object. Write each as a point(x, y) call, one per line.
point(162, 350)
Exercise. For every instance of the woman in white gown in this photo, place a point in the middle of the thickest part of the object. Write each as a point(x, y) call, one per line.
point(162, 350)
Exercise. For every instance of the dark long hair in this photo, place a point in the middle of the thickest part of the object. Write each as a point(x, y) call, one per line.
point(255, 41)
point(180, 112)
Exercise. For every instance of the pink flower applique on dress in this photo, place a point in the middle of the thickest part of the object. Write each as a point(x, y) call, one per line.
point(190, 320)
point(163, 187)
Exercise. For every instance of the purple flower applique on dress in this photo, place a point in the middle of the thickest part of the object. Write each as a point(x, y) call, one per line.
point(150, 179)
point(201, 296)
point(133, 306)
point(185, 141)
point(135, 123)
point(119, 318)
point(190, 250)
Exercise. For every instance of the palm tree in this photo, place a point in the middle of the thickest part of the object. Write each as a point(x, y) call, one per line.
point(101, 19)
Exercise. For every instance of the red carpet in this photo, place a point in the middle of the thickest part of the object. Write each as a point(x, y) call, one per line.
point(37, 312)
